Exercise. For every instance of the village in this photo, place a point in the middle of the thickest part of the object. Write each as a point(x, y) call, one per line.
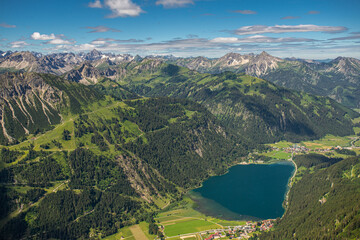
point(239, 232)
point(302, 149)
point(232, 232)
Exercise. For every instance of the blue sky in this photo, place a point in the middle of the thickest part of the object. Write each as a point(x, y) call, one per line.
point(316, 29)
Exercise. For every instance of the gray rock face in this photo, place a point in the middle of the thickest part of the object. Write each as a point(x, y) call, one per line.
point(53, 63)
point(86, 74)
point(251, 64)
point(27, 104)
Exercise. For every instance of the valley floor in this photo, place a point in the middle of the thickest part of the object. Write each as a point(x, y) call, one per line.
point(181, 221)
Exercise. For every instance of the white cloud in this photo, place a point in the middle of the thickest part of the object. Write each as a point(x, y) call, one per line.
point(19, 44)
point(108, 41)
point(119, 8)
point(51, 39)
point(174, 3)
point(99, 42)
point(122, 8)
point(259, 29)
point(225, 40)
point(96, 4)
point(58, 41)
point(74, 48)
point(38, 36)
point(282, 46)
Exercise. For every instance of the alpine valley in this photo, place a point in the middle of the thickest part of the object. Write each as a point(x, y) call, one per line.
point(92, 143)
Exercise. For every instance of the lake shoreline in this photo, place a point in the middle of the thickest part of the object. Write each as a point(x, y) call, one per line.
point(232, 209)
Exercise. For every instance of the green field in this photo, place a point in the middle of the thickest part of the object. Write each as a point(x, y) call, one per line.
point(282, 144)
point(181, 218)
point(145, 228)
point(328, 141)
point(188, 226)
point(226, 223)
point(123, 232)
point(278, 155)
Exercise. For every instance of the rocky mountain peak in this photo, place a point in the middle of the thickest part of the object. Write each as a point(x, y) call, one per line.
point(93, 55)
point(261, 64)
point(267, 57)
point(346, 65)
point(232, 60)
point(137, 58)
point(24, 56)
point(264, 54)
point(231, 55)
point(19, 60)
point(85, 74)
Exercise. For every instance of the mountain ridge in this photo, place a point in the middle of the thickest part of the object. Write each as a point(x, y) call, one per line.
point(338, 78)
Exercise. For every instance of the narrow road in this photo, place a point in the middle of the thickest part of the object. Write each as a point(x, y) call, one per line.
point(166, 205)
point(353, 141)
point(292, 178)
point(85, 214)
point(290, 181)
point(55, 189)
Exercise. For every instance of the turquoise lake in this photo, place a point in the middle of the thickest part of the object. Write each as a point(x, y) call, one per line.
point(246, 192)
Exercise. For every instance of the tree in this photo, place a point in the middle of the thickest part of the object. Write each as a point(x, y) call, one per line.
point(66, 135)
point(153, 228)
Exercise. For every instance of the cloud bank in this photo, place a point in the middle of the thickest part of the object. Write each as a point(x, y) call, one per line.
point(261, 29)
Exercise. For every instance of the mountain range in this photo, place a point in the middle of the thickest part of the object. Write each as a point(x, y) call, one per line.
point(252, 107)
point(95, 142)
point(338, 79)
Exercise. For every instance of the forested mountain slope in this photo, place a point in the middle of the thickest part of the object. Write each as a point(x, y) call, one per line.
point(250, 106)
point(85, 160)
point(324, 203)
point(109, 166)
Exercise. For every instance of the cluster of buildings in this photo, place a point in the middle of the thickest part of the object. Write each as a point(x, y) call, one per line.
point(238, 232)
point(296, 148)
point(266, 225)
